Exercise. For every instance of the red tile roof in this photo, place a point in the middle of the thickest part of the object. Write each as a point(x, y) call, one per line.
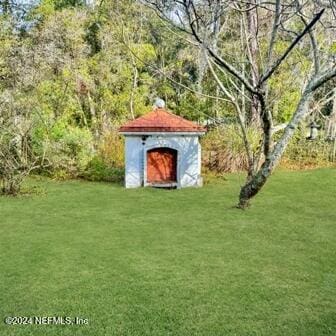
point(160, 120)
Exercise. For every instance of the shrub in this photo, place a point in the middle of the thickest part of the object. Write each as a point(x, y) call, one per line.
point(111, 149)
point(223, 149)
point(99, 170)
point(68, 150)
point(302, 153)
point(108, 163)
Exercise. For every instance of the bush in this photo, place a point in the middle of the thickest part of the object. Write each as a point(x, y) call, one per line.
point(68, 150)
point(98, 170)
point(108, 163)
point(71, 153)
point(223, 149)
point(302, 153)
point(111, 149)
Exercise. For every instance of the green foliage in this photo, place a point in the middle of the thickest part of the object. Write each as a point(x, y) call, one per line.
point(286, 106)
point(111, 149)
point(224, 151)
point(68, 149)
point(98, 170)
point(43, 10)
point(304, 154)
point(286, 92)
point(83, 72)
point(92, 37)
point(333, 48)
point(80, 71)
point(60, 4)
point(108, 163)
point(145, 53)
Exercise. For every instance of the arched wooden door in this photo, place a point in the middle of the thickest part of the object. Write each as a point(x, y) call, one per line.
point(162, 165)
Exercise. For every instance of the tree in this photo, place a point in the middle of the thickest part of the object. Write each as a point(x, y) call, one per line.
point(17, 157)
point(300, 38)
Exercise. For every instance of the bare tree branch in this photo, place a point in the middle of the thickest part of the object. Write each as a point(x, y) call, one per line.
point(270, 71)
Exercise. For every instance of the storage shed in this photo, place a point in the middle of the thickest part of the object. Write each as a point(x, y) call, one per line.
point(162, 150)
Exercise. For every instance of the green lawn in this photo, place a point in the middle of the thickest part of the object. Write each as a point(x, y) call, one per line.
point(177, 262)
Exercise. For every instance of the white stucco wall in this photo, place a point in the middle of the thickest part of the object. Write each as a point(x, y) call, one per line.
point(133, 162)
point(188, 158)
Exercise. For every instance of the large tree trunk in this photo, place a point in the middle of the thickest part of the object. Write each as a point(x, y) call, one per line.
point(254, 184)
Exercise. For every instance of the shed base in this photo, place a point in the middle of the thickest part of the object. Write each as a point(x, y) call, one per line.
point(162, 184)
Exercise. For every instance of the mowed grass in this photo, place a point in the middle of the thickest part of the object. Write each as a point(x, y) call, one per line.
point(172, 262)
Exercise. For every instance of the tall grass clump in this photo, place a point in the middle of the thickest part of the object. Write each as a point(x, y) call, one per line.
point(302, 153)
point(223, 149)
point(108, 163)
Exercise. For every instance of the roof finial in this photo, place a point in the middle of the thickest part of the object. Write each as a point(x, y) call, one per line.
point(159, 103)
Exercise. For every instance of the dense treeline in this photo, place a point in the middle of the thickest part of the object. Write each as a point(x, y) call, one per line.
point(72, 71)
